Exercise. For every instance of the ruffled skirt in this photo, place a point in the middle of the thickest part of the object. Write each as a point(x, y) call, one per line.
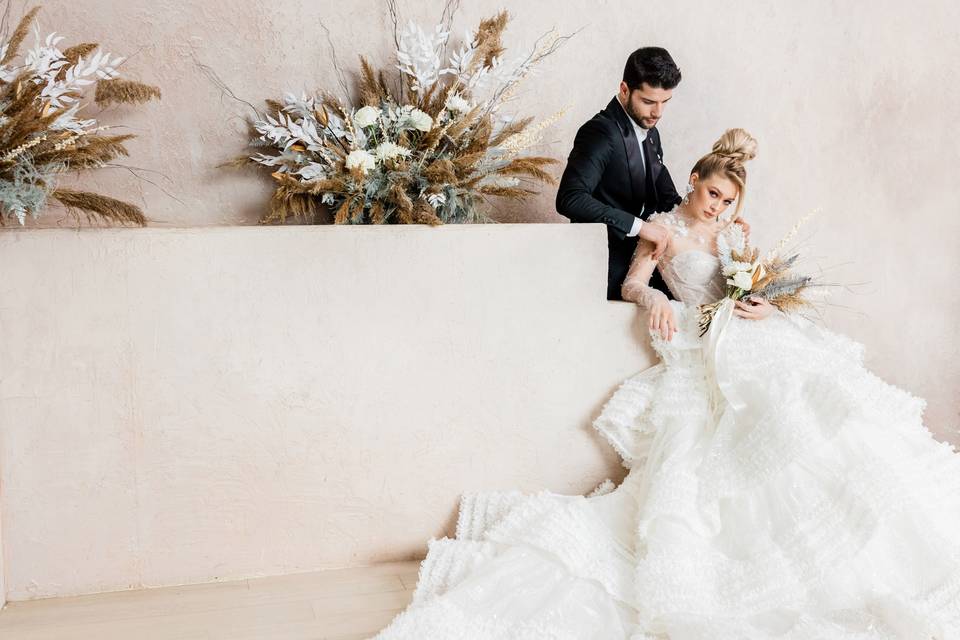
point(777, 489)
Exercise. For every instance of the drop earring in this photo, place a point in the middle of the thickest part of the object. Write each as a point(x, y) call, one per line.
point(686, 193)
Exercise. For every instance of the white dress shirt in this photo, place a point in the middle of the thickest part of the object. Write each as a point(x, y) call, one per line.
point(641, 136)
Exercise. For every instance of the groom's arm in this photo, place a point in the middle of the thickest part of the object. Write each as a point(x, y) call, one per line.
point(588, 160)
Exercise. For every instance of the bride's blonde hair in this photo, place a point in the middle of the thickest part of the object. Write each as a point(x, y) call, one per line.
point(734, 148)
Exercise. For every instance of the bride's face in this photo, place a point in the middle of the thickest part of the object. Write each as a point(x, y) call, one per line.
point(710, 197)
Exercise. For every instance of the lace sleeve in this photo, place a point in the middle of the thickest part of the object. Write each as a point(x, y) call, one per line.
point(636, 287)
point(661, 217)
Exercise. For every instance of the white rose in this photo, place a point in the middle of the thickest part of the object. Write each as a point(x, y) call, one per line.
point(420, 120)
point(458, 104)
point(389, 151)
point(735, 266)
point(360, 159)
point(366, 117)
point(743, 280)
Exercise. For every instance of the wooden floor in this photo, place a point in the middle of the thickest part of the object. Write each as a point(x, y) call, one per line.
point(346, 604)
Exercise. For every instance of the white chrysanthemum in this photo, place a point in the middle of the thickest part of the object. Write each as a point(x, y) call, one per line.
point(366, 117)
point(735, 266)
point(458, 104)
point(420, 120)
point(360, 159)
point(742, 280)
point(389, 151)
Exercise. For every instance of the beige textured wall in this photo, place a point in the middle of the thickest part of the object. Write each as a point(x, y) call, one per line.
point(854, 103)
point(191, 405)
point(3, 581)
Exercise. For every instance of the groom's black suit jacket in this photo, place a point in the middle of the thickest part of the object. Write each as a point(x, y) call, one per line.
point(605, 182)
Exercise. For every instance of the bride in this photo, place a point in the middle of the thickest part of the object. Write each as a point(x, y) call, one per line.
point(777, 489)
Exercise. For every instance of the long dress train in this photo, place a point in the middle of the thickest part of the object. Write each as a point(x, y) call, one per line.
point(777, 489)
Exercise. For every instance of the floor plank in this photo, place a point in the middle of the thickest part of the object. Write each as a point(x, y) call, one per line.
point(343, 604)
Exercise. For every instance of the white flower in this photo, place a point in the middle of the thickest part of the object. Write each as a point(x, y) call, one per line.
point(458, 104)
point(742, 280)
point(388, 151)
point(366, 117)
point(735, 266)
point(420, 120)
point(360, 159)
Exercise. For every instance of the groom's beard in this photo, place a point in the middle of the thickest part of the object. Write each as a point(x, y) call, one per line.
point(644, 124)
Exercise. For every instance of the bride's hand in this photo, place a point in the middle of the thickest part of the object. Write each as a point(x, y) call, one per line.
point(746, 227)
point(753, 308)
point(662, 319)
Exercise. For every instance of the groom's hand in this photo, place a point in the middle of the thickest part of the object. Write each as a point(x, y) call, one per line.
point(658, 236)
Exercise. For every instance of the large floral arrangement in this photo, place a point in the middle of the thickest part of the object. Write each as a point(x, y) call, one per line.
point(427, 146)
point(42, 132)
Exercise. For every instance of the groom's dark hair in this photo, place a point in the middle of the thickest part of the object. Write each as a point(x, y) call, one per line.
point(652, 65)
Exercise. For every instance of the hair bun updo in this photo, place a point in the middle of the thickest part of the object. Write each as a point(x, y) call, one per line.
point(736, 144)
point(727, 158)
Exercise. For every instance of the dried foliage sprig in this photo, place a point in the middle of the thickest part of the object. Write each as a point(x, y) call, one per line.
point(426, 146)
point(42, 134)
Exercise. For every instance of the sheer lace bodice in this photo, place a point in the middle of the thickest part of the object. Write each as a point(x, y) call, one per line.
point(690, 267)
point(693, 276)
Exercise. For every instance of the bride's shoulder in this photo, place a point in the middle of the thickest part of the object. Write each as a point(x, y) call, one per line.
point(669, 219)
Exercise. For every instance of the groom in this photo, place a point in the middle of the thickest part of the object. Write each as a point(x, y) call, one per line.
point(615, 173)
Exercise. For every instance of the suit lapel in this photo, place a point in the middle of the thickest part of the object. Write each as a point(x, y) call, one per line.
point(631, 148)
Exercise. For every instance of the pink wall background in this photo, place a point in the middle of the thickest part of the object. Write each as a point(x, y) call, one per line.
point(855, 106)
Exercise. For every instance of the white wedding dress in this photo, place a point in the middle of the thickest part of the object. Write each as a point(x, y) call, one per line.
point(777, 489)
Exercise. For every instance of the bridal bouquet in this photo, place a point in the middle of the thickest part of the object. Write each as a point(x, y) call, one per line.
point(427, 148)
point(42, 134)
point(748, 274)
